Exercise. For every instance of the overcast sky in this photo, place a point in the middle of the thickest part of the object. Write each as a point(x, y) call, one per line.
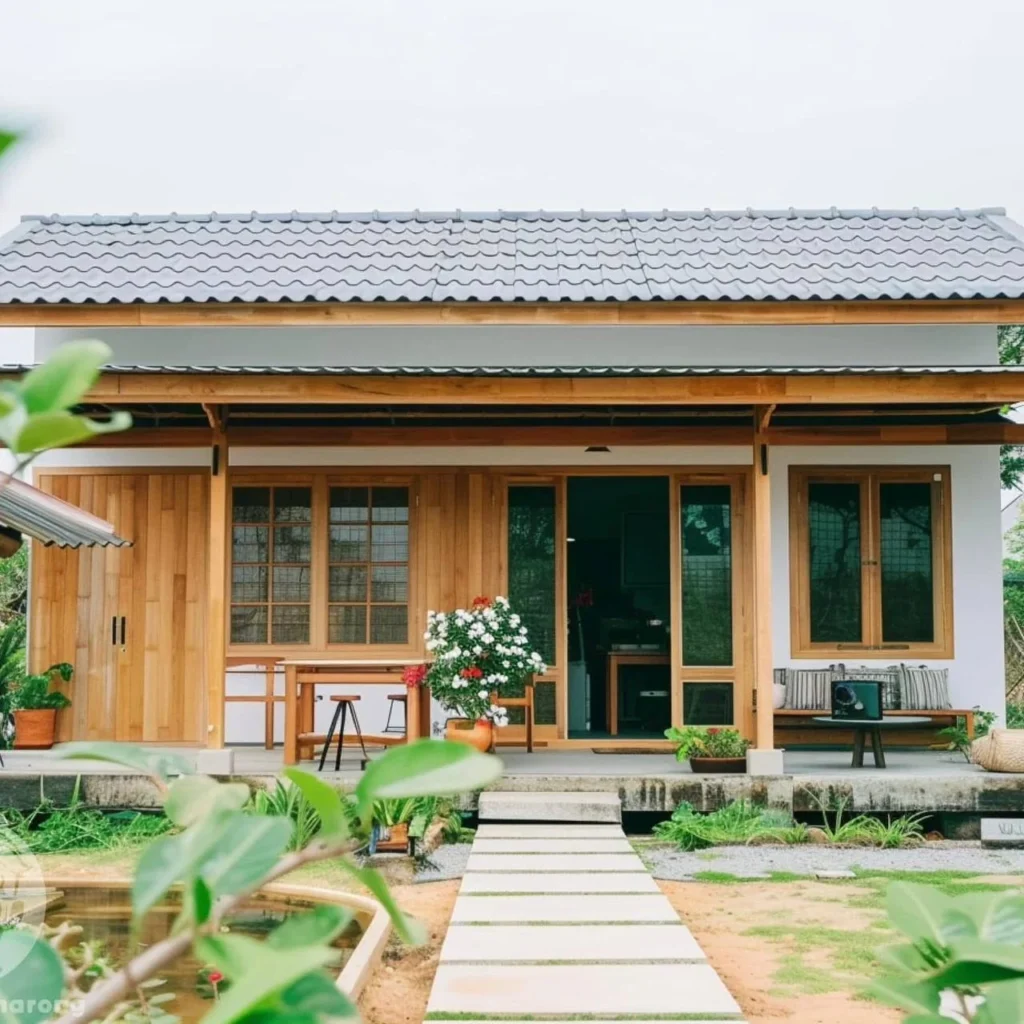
point(198, 105)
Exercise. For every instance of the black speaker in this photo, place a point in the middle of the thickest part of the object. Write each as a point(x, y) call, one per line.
point(857, 698)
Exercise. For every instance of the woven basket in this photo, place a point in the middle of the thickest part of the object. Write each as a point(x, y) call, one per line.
point(1002, 750)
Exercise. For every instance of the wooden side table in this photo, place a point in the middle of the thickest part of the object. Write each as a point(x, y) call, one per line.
point(615, 661)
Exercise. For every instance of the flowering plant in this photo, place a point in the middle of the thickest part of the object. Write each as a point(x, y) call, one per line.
point(477, 652)
point(697, 741)
point(414, 675)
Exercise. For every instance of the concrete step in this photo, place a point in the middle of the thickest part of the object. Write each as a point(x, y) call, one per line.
point(584, 807)
point(513, 943)
point(485, 831)
point(567, 908)
point(585, 989)
point(554, 881)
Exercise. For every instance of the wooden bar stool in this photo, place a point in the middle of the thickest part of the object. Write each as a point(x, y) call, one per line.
point(346, 706)
point(398, 698)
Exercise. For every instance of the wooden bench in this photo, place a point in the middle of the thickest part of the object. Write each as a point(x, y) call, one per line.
point(795, 726)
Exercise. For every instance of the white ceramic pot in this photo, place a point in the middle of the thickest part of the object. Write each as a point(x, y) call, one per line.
point(778, 695)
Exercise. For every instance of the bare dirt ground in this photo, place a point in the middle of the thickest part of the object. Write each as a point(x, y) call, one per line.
point(799, 964)
point(399, 989)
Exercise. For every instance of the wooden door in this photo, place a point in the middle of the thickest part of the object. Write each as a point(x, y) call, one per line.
point(131, 620)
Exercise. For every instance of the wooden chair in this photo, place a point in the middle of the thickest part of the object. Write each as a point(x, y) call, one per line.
point(526, 703)
point(401, 699)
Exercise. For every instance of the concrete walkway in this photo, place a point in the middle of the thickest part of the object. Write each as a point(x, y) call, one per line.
point(564, 921)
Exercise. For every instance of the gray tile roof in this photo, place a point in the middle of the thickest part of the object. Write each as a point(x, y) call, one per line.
point(543, 371)
point(539, 256)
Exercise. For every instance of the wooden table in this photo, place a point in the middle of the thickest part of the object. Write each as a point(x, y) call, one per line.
point(302, 676)
point(873, 726)
point(615, 660)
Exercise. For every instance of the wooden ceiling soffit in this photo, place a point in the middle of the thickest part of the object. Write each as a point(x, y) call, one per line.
point(568, 436)
point(355, 314)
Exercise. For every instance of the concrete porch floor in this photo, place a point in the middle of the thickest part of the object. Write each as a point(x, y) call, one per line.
point(915, 780)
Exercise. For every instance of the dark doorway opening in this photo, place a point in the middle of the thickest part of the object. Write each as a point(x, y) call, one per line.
point(618, 566)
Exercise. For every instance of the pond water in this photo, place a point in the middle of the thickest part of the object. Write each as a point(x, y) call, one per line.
point(104, 914)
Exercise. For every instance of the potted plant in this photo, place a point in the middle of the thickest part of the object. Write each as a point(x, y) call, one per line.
point(35, 707)
point(710, 749)
point(478, 652)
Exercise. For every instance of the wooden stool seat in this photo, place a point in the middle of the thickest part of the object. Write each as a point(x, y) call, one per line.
point(346, 706)
point(400, 700)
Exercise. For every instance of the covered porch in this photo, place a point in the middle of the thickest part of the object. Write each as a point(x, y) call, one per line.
point(324, 510)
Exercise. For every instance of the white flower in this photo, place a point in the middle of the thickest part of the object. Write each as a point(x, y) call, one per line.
point(522, 631)
point(483, 694)
point(506, 664)
point(431, 645)
point(487, 638)
point(478, 649)
point(515, 620)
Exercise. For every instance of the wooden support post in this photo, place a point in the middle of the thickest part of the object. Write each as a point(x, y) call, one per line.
point(763, 672)
point(216, 598)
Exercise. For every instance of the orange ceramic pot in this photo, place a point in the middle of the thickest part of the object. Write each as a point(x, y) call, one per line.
point(35, 730)
point(479, 734)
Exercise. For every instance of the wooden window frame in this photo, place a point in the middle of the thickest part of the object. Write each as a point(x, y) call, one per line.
point(320, 482)
point(872, 646)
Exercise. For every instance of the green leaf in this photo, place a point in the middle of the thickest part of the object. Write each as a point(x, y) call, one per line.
point(319, 926)
point(150, 762)
point(264, 972)
point(997, 916)
point(7, 139)
point(1004, 1003)
point(409, 931)
point(201, 901)
point(192, 798)
point(904, 957)
point(43, 431)
point(31, 977)
point(974, 962)
point(917, 910)
point(325, 800)
point(915, 996)
point(168, 860)
point(65, 377)
point(317, 996)
point(425, 768)
point(250, 847)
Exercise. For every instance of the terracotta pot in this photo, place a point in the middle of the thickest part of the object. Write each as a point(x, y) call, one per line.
point(718, 765)
point(35, 730)
point(397, 840)
point(479, 734)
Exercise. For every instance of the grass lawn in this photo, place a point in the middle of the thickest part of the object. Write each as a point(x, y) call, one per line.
point(802, 949)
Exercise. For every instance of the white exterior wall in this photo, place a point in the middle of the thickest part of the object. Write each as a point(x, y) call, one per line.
point(540, 346)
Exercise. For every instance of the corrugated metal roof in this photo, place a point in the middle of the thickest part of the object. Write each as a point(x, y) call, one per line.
point(541, 371)
point(54, 522)
point(528, 256)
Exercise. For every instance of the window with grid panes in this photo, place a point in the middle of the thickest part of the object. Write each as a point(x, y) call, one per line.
point(271, 572)
point(368, 565)
point(873, 554)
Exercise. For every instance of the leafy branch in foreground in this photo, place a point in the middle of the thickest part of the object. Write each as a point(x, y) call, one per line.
point(222, 856)
point(964, 959)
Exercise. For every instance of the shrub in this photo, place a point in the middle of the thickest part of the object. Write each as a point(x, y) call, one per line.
point(957, 734)
point(696, 741)
point(735, 824)
point(1015, 716)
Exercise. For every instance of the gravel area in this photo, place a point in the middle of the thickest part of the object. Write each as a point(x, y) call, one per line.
point(447, 861)
point(759, 861)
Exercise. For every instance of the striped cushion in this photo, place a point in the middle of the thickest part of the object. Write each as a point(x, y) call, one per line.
point(924, 689)
point(889, 678)
point(808, 689)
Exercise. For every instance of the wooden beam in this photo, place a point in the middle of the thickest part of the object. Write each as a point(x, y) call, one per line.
point(216, 598)
point(762, 576)
point(453, 435)
point(358, 314)
point(214, 416)
point(995, 388)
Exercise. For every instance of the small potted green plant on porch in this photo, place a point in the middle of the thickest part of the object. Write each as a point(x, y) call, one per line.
point(35, 704)
point(711, 749)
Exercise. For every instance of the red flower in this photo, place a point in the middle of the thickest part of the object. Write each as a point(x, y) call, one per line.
point(414, 675)
point(481, 602)
point(714, 732)
point(472, 673)
point(215, 977)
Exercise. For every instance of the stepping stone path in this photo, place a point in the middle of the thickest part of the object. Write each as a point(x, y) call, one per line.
point(565, 922)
